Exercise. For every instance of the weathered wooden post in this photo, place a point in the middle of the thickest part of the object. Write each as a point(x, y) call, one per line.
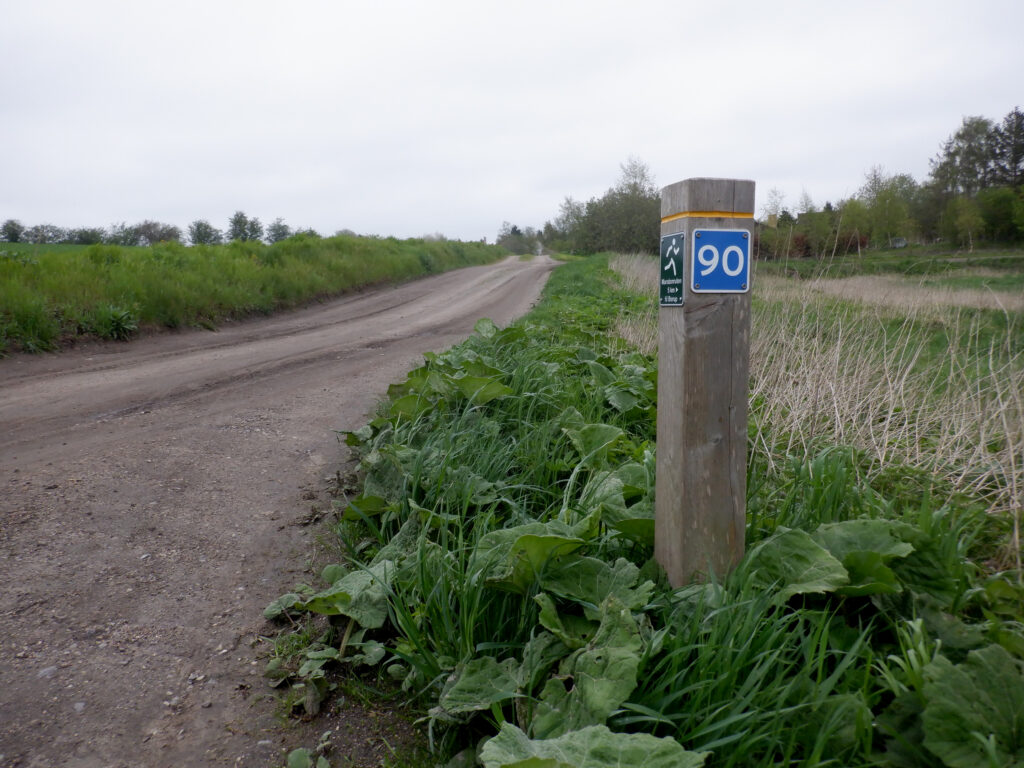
point(707, 229)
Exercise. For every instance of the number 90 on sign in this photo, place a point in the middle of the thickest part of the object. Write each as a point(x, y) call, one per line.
point(720, 261)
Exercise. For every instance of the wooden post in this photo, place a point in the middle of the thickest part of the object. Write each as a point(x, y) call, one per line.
point(703, 363)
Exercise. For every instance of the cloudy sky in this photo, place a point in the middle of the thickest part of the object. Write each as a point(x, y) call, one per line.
point(413, 118)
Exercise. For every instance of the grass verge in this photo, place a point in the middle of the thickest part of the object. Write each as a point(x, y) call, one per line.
point(50, 295)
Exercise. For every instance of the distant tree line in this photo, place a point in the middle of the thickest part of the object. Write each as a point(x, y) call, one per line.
point(516, 240)
point(200, 232)
point(625, 219)
point(974, 194)
point(144, 233)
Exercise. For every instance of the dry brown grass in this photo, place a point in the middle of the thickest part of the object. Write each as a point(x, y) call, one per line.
point(638, 274)
point(844, 361)
point(903, 293)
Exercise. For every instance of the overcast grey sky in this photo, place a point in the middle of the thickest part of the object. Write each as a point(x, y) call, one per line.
point(409, 118)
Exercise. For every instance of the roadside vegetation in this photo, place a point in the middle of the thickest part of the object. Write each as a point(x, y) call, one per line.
point(495, 564)
point(53, 294)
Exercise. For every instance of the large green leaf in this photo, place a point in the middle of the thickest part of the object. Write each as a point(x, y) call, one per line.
point(621, 399)
point(949, 629)
point(509, 335)
point(476, 685)
point(384, 473)
point(513, 558)
point(792, 563)
point(303, 758)
point(531, 554)
point(927, 570)
point(364, 506)
point(975, 710)
point(411, 406)
point(358, 437)
point(539, 654)
point(638, 378)
point(485, 327)
point(403, 544)
point(593, 441)
point(466, 484)
point(590, 581)
point(624, 388)
point(595, 680)
point(360, 595)
point(574, 631)
point(316, 659)
point(637, 479)
point(637, 524)
point(592, 747)
point(283, 604)
point(607, 492)
point(361, 651)
point(869, 575)
point(415, 381)
point(865, 547)
point(481, 389)
point(604, 491)
point(881, 536)
point(603, 375)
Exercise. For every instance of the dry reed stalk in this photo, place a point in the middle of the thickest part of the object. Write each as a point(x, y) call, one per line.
point(901, 292)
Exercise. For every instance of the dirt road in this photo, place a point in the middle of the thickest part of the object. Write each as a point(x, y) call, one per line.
point(150, 503)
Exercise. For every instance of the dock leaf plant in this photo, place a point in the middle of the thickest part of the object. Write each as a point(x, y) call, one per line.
point(498, 565)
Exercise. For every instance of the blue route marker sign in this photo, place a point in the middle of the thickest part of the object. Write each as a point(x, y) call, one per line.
point(671, 292)
point(719, 261)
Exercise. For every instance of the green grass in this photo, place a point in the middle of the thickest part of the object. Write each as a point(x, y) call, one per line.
point(53, 294)
point(1009, 281)
point(929, 260)
point(498, 566)
point(732, 678)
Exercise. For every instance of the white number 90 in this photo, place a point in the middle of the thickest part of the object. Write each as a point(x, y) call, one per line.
point(709, 257)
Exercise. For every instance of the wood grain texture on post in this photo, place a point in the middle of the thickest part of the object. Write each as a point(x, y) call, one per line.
point(703, 362)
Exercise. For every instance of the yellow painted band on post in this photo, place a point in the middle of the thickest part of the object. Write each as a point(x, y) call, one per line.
point(706, 215)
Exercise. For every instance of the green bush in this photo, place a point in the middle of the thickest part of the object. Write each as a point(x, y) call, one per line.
point(112, 322)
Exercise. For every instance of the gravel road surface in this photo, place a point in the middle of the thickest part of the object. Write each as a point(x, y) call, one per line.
point(152, 496)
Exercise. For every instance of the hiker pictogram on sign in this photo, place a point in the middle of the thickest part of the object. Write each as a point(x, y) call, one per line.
point(671, 292)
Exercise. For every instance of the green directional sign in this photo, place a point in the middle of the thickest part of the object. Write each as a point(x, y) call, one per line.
point(671, 292)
